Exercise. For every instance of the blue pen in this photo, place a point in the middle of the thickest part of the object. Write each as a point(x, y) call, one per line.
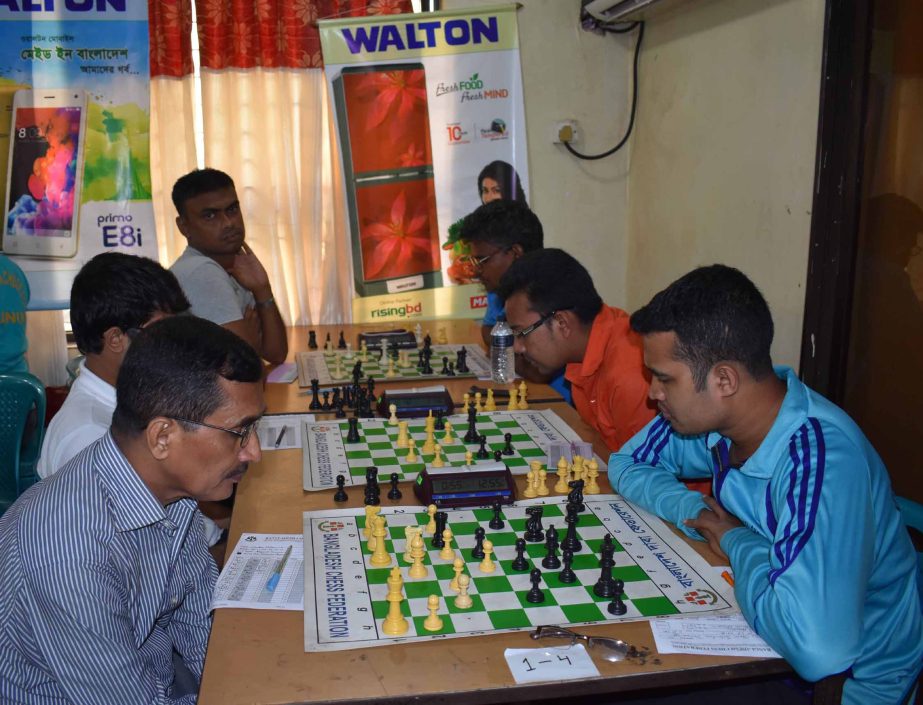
point(277, 573)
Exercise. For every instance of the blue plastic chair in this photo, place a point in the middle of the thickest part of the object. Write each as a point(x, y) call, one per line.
point(912, 513)
point(22, 413)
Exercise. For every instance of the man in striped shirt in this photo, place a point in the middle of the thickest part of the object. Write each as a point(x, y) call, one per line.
point(105, 578)
point(803, 509)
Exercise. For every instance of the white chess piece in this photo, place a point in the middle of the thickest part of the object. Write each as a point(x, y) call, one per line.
point(392, 420)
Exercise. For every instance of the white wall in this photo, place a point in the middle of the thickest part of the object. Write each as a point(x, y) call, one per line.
point(569, 73)
point(722, 160)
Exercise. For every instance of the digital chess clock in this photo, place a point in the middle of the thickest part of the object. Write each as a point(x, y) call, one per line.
point(412, 404)
point(466, 486)
point(401, 338)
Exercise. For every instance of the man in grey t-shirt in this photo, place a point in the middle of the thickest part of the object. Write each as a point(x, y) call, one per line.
point(222, 278)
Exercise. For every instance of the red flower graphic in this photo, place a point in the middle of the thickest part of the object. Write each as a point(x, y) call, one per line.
point(399, 247)
point(404, 91)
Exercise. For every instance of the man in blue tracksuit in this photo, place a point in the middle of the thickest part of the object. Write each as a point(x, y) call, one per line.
point(803, 509)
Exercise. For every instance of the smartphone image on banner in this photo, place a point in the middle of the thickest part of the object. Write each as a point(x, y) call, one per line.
point(44, 172)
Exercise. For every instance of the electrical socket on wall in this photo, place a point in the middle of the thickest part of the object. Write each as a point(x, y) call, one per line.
point(564, 131)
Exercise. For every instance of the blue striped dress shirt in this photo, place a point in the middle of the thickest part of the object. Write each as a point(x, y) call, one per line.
point(99, 583)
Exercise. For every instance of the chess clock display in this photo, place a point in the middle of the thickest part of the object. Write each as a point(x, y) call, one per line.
point(401, 338)
point(416, 404)
point(466, 486)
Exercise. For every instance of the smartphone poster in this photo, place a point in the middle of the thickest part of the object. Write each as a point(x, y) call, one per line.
point(74, 139)
point(429, 110)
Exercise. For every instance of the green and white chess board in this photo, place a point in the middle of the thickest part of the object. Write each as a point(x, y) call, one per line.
point(326, 453)
point(345, 596)
point(322, 365)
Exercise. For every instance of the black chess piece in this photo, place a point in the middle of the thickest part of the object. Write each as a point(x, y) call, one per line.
point(352, 436)
point(315, 395)
point(575, 496)
point(442, 519)
point(394, 493)
point(427, 368)
point(420, 359)
point(326, 406)
point(427, 343)
point(571, 542)
point(534, 531)
point(370, 383)
point(498, 456)
point(607, 545)
point(340, 495)
point(451, 372)
point(496, 522)
point(471, 435)
point(340, 411)
point(312, 340)
point(551, 560)
point(461, 361)
point(478, 550)
point(508, 448)
point(535, 595)
point(567, 575)
point(519, 562)
point(372, 489)
point(440, 421)
point(605, 586)
point(617, 606)
point(341, 343)
point(482, 452)
point(445, 366)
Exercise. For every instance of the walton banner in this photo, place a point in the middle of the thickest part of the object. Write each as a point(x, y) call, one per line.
point(430, 122)
point(74, 137)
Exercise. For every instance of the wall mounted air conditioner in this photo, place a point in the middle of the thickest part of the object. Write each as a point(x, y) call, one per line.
point(624, 10)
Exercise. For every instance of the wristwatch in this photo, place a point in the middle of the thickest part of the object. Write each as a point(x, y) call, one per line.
point(267, 303)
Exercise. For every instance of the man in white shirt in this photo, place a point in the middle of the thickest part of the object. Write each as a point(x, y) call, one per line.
point(222, 278)
point(113, 297)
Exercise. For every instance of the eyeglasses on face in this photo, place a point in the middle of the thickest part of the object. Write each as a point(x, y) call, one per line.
point(540, 322)
point(479, 262)
point(243, 434)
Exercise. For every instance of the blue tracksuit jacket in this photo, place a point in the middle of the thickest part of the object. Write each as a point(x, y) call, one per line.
point(824, 568)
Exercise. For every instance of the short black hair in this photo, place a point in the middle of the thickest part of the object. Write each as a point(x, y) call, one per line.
point(173, 367)
point(121, 290)
point(504, 224)
point(197, 182)
point(553, 281)
point(507, 179)
point(717, 314)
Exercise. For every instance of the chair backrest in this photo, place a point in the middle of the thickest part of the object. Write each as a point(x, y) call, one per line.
point(22, 427)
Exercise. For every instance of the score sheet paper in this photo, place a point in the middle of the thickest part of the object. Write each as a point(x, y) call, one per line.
point(282, 431)
point(242, 583)
point(728, 635)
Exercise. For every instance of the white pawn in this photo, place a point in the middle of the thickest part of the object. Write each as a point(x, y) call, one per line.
point(392, 420)
point(441, 337)
point(431, 526)
point(433, 623)
point(529, 492)
point(490, 404)
point(469, 458)
point(349, 351)
point(364, 352)
point(477, 402)
point(458, 565)
point(563, 474)
point(463, 601)
point(514, 404)
point(417, 570)
point(411, 450)
point(390, 372)
point(447, 553)
point(487, 565)
point(467, 398)
point(592, 472)
point(438, 462)
point(448, 438)
point(409, 533)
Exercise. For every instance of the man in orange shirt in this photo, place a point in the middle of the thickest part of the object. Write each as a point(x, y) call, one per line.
point(558, 319)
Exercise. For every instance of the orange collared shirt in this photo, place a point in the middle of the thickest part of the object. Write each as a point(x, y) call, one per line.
point(610, 385)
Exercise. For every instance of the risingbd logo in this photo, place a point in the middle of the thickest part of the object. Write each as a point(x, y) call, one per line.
point(699, 597)
point(331, 525)
point(403, 311)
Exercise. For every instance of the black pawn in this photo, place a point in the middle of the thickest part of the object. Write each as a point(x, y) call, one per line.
point(312, 340)
point(440, 421)
point(567, 575)
point(498, 456)
point(508, 448)
point(482, 451)
point(451, 370)
point(496, 522)
point(605, 586)
point(315, 395)
point(326, 405)
point(341, 343)
point(617, 607)
point(340, 412)
point(551, 560)
point(445, 366)
point(519, 562)
point(394, 493)
point(340, 495)
point(535, 595)
point(478, 550)
point(352, 435)
point(372, 490)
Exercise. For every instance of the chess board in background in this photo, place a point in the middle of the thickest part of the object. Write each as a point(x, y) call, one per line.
point(345, 595)
point(321, 365)
point(326, 454)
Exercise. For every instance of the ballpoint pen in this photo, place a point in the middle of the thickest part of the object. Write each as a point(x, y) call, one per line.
point(279, 437)
point(277, 572)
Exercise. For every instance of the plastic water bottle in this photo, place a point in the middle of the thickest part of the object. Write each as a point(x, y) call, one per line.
point(502, 357)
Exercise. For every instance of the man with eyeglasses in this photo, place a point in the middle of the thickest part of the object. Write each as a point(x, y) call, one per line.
point(105, 578)
point(559, 320)
point(499, 233)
